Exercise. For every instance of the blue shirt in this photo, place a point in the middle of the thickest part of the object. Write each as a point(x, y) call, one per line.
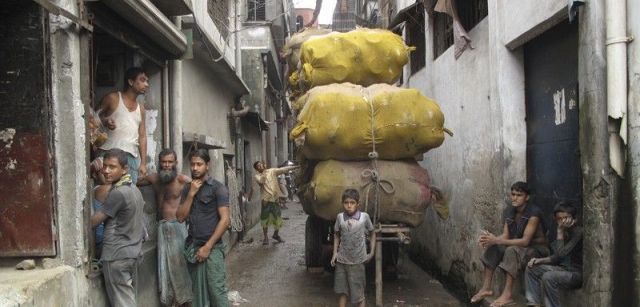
point(203, 217)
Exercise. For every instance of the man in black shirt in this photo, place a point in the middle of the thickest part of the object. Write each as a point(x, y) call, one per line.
point(205, 202)
point(522, 238)
point(561, 270)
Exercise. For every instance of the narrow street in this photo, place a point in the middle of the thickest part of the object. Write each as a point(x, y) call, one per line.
point(275, 275)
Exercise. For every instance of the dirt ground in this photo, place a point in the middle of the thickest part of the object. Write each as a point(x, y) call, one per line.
point(275, 275)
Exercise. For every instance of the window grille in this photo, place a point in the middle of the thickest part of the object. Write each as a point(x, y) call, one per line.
point(256, 10)
point(219, 13)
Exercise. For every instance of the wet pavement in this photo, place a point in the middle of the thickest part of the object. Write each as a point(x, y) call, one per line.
point(276, 275)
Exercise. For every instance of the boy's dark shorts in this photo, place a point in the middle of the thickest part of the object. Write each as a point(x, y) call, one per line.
point(350, 280)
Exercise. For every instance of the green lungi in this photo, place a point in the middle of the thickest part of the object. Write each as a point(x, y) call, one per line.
point(208, 277)
point(271, 215)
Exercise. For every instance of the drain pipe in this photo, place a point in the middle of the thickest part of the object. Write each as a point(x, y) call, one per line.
point(236, 38)
point(176, 103)
point(616, 22)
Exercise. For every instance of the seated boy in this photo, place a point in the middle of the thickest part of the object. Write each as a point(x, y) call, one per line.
point(350, 250)
point(563, 269)
point(522, 238)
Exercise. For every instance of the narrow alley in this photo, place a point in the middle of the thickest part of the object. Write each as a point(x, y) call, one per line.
point(276, 275)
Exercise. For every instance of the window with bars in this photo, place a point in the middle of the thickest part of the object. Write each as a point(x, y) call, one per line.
point(471, 12)
point(256, 10)
point(219, 12)
point(415, 37)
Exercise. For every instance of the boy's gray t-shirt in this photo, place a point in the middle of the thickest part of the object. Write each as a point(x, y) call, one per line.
point(123, 230)
point(353, 233)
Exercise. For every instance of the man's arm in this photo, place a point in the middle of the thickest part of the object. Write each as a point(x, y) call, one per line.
point(489, 239)
point(142, 141)
point(205, 250)
point(110, 208)
point(184, 179)
point(147, 180)
point(285, 169)
point(187, 201)
point(108, 104)
point(562, 248)
point(97, 218)
point(529, 232)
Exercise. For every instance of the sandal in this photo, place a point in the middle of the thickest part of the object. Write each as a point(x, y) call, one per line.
point(277, 238)
point(265, 242)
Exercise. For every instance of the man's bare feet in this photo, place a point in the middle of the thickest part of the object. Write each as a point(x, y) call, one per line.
point(481, 295)
point(503, 302)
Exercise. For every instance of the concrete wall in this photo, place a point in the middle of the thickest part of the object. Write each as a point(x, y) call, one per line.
point(465, 166)
point(206, 104)
point(482, 96)
point(633, 20)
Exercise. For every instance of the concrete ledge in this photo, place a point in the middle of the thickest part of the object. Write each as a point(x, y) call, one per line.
point(37, 287)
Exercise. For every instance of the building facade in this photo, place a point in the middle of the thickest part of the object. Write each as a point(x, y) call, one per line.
point(58, 60)
point(530, 99)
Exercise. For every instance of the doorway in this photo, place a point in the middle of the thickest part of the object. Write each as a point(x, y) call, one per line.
point(551, 98)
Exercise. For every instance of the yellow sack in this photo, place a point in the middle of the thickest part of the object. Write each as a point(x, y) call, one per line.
point(345, 121)
point(291, 50)
point(404, 191)
point(362, 56)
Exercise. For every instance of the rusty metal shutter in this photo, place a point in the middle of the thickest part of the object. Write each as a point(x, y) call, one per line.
point(26, 201)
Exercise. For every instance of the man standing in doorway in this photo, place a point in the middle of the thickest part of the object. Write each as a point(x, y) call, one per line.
point(122, 212)
point(173, 277)
point(270, 214)
point(205, 202)
point(125, 119)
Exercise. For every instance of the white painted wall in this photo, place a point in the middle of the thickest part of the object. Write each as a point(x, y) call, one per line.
point(206, 102)
point(528, 18)
point(482, 97)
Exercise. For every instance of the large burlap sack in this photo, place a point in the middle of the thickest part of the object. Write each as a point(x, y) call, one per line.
point(291, 50)
point(404, 194)
point(362, 56)
point(345, 121)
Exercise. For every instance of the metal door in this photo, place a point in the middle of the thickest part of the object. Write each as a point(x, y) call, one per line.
point(551, 92)
point(26, 191)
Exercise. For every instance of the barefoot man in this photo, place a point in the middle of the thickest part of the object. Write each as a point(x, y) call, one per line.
point(173, 276)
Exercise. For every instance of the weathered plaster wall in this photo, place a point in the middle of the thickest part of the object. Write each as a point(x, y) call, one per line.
point(524, 20)
point(464, 166)
point(633, 26)
point(206, 104)
point(252, 209)
point(482, 97)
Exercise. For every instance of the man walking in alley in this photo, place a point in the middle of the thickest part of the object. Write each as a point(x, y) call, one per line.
point(125, 119)
point(122, 212)
point(205, 202)
point(563, 269)
point(270, 214)
point(522, 238)
point(173, 277)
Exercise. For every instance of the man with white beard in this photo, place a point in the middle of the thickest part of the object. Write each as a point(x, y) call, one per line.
point(173, 276)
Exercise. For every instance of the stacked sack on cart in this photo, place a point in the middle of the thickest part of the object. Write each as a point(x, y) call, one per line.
point(355, 130)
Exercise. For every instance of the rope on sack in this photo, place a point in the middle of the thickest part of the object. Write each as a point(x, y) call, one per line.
point(373, 172)
point(234, 204)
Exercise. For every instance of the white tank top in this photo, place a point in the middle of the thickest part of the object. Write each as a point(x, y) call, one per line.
point(125, 135)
